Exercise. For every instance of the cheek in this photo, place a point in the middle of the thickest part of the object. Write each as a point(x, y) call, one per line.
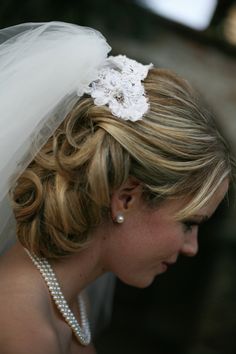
point(161, 235)
point(136, 250)
point(137, 263)
point(163, 241)
point(143, 247)
point(171, 240)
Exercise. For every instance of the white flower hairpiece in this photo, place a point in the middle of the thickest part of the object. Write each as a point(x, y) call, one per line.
point(119, 86)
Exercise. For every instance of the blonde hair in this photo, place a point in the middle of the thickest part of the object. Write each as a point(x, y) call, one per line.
point(174, 151)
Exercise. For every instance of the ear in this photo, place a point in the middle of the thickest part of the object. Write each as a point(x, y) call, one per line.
point(126, 198)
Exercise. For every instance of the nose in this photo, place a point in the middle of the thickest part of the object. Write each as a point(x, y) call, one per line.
point(190, 246)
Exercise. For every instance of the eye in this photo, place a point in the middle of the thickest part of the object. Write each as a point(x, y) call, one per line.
point(195, 222)
point(189, 225)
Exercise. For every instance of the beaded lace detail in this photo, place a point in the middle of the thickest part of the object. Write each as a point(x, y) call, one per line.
point(82, 332)
point(119, 86)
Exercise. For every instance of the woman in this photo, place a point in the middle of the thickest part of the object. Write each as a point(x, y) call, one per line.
point(120, 186)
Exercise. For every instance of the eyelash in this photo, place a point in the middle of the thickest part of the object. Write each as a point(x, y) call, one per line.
point(188, 226)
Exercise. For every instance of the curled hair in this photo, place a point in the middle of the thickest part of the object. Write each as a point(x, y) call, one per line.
point(174, 151)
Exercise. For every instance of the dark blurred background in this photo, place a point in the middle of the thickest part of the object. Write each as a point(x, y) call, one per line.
point(192, 308)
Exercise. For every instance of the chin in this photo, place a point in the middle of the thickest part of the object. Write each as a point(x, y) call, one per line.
point(139, 282)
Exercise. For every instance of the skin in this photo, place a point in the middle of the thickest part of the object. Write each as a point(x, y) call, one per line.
point(136, 251)
point(151, 239)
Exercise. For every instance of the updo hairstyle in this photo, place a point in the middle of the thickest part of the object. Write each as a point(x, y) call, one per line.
point(174, 151)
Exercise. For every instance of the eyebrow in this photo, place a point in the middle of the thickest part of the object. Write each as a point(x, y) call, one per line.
point(197, 219)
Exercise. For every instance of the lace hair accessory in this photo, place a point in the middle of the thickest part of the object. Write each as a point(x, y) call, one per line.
point(119, 86)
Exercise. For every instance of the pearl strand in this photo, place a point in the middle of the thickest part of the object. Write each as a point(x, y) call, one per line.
point(82, 332)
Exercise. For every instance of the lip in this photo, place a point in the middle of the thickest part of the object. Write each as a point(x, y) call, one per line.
point(169, 263)
point(166, 265)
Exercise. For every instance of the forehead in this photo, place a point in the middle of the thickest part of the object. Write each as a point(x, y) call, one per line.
point(175, 207)
point(209, 208)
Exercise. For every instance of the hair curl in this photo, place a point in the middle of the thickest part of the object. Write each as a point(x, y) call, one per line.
point(175, 150)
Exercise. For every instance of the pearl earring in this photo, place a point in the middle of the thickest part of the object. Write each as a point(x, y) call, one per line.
point(119, 218)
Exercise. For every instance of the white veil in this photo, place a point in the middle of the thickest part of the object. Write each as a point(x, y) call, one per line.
point(44, 68)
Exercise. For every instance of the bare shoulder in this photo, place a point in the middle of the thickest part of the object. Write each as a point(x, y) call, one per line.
point(25, 328)
point(24, 341)
point(25, 320)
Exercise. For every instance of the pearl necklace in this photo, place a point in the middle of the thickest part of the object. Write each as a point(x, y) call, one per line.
point(82, 333)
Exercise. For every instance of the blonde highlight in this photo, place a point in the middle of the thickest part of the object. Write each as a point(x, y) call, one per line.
point(174, 151)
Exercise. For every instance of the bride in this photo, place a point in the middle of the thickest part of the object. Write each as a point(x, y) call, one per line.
point(110, 166)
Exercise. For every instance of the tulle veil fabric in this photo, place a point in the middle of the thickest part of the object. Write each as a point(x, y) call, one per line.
point(44, 69)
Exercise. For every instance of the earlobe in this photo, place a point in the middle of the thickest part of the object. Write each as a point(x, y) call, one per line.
point(119, 219)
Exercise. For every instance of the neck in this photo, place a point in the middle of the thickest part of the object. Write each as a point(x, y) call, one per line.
point(77, 271)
